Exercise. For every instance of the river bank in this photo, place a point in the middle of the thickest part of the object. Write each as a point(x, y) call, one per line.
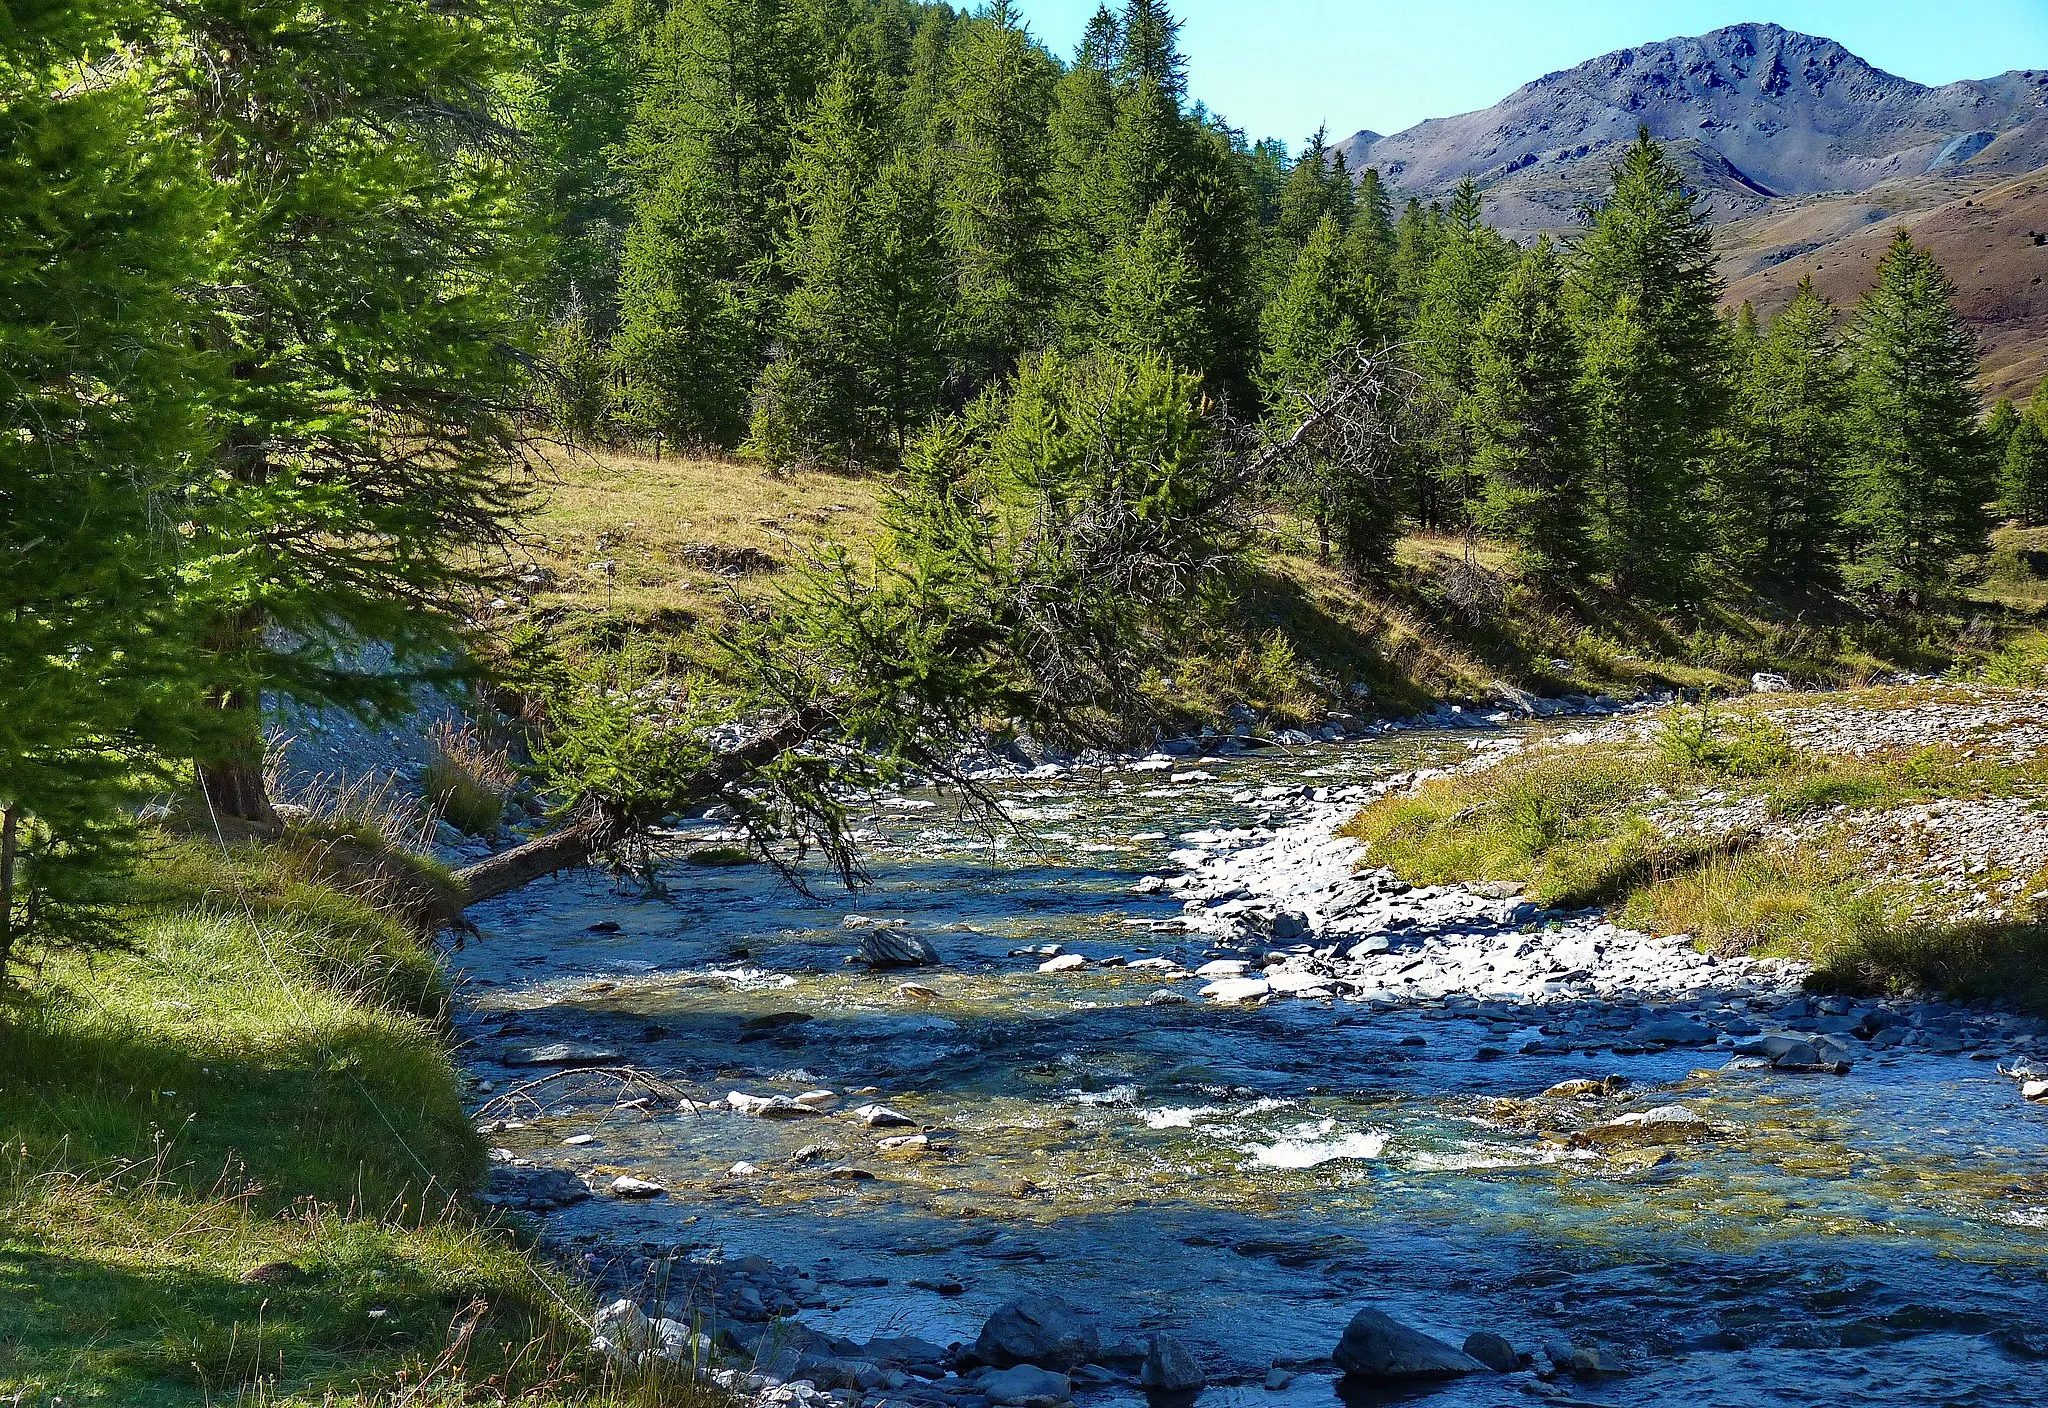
point(1179, 1059)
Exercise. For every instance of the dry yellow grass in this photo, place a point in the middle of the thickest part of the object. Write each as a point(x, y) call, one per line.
point(676, 539)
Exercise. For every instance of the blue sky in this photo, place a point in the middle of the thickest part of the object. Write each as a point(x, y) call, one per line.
point(1280, 67)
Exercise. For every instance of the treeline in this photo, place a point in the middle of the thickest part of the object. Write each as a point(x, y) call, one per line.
point(804, 228)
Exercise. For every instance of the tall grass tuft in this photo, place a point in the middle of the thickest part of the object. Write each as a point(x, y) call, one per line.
point(468, 779)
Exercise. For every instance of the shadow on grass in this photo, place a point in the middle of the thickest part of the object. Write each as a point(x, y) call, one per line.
point(2005, 963)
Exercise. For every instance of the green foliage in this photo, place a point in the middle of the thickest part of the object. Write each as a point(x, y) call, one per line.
point(1309, 328)
point(1152, 295)
point(1922, 481)
point(576, 387)
point(364, 303)
point(1527, 418)
point(102, 405)
point(2025, 459)
point(1468, 265)
point(994, 192)
point(1779, 501)
point(1703, 741)
point(1655, 372)
point(861, 344)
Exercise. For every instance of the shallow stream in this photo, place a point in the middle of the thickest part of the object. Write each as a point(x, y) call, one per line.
point(1249, 1178)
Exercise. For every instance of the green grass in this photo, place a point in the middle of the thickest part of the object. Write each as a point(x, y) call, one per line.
point(1575, 827)
point(672, 551)
point(261, 1079)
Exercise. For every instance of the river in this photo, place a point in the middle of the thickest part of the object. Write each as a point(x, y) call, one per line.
point(1247, 1178)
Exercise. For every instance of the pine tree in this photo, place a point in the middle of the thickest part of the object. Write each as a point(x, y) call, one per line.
point(572, 100)
point(1655, 370)
point(1311, 193)
point(1528, 419)
point(2025, 462)
point(1152, 293)
point(1148, 49)
point(1464, 277)
point(1922, 480)
point(995, 193)
point(374, 245)
point(576, 387)
point(102, 229)
point(861, 329)
point(1306, 329)
point(1780, 512)
point(705, 154)
point(1415, 243)
point(1372, 227)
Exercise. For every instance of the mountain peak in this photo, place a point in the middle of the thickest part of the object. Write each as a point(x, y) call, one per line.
point(1763, 111)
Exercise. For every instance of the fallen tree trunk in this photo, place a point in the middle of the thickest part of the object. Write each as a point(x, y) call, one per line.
point(597, 826)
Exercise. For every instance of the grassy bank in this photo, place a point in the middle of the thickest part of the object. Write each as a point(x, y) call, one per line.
point(233, 1166)
point(673, 548)
point(1718, 824)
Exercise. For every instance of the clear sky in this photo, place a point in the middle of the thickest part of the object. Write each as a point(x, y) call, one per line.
point(1280, 67)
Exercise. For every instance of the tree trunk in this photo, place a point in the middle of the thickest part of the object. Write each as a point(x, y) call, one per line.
point(597, 827)
point(10, 837)
point(232, 778)
point(505, 872)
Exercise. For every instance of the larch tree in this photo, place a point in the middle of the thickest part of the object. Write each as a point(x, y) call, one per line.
point(365, 303)
point(1780, 513)
point(1655, 372)
point(1464, 277)
point(1308, 328)
point(103, 216)
point(1528, 419)
point(1152, 293)
point(2024, 462)
point(995, 201)
point(705, 154)
point(1922, 485)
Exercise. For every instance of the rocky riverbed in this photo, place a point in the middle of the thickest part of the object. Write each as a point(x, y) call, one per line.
point(1190, 1096)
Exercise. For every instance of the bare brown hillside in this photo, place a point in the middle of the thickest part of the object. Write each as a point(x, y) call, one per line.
point(1993, 241)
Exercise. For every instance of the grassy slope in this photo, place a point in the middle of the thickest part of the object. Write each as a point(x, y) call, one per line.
point(1580, 826)
point(623, 543)
point(261, 1079)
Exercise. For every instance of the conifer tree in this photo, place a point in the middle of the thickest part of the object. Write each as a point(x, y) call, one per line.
point(1415, 244)
point(995, 193)
point(2025, 462)
point(1311, 193)
point(1148, 49)
point(1528, 419)
point(1152, 294)
point(1372, 227)
point(103, 221)
point(1779, 511)
point(373, 249)
point(1655, 369)
point(1922, 482)
point(861, 330)
point(1464, 277)
point(1084, 228)
point(705, 155)
point(1306, 329)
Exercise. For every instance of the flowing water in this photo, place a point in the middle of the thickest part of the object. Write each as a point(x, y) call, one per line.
point(1250, 1178)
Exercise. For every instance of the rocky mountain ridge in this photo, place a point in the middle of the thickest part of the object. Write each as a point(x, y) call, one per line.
point(1757, 112)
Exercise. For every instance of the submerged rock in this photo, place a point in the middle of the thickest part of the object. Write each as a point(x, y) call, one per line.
point(1025, 1386)
point(1377, 1346)
point(1493, 1351)
point(1041, 1330)
point(1667, 1124)
point(1170, 1368)
point(561, 1053)
point(895, 948)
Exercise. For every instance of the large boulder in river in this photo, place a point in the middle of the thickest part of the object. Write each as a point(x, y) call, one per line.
point(895, 948)
point(1377, 1346)
point(1041, 1330)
